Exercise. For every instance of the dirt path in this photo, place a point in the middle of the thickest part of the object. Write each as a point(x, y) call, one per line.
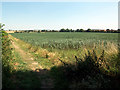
point(42, 74)
point(27, 58)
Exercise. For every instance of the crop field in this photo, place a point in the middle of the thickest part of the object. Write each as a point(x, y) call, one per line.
point(57, 45)
point(69, 44)
point(64, 40)
point(64, 59)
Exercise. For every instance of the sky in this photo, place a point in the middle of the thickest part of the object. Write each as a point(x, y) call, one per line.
point(58, 15)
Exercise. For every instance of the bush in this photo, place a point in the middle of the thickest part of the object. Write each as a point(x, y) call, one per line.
point(6, 58)
point(92, 71)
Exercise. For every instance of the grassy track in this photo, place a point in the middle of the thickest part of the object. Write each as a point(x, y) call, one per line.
point(28, 69)
point(88, 65)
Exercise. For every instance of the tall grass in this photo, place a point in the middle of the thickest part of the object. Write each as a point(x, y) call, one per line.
point(92, 71)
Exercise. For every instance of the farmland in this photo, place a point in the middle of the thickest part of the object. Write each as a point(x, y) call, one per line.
point(69, 44)
point(68, 40)
point(64, 59)
point(72, 45)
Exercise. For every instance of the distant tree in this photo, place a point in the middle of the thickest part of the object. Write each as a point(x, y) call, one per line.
point(16, 31)
point(108, 30)
point(38, 31)
point(88, 30)
point(25, 31)
point(112, 31)
point(102, 31)
point(67, 30)
point(62, 30)
point(95, 30)
point(78, 30)
point(53, 30)
point(71, 30)
point(42, 30)
point(81, 30)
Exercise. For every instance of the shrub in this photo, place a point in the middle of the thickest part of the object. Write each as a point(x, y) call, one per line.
point(89, 69)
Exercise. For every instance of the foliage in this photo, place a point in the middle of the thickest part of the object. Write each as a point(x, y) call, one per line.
point(69, 30)
point(6, 58)
point(89, 69)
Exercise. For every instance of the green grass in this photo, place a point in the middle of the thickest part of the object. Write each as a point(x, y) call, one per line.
point(44, 62)
point(22, 76)
point(81, 45)
point(17, 59)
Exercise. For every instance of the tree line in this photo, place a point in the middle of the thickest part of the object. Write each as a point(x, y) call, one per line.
point(88, 30)
point(68, 30)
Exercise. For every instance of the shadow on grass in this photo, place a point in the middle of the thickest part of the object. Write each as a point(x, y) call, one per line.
point(63, 77)
point(21, 79)
point(93, 72)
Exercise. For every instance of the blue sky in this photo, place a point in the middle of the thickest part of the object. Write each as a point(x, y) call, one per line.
point(57, 15)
